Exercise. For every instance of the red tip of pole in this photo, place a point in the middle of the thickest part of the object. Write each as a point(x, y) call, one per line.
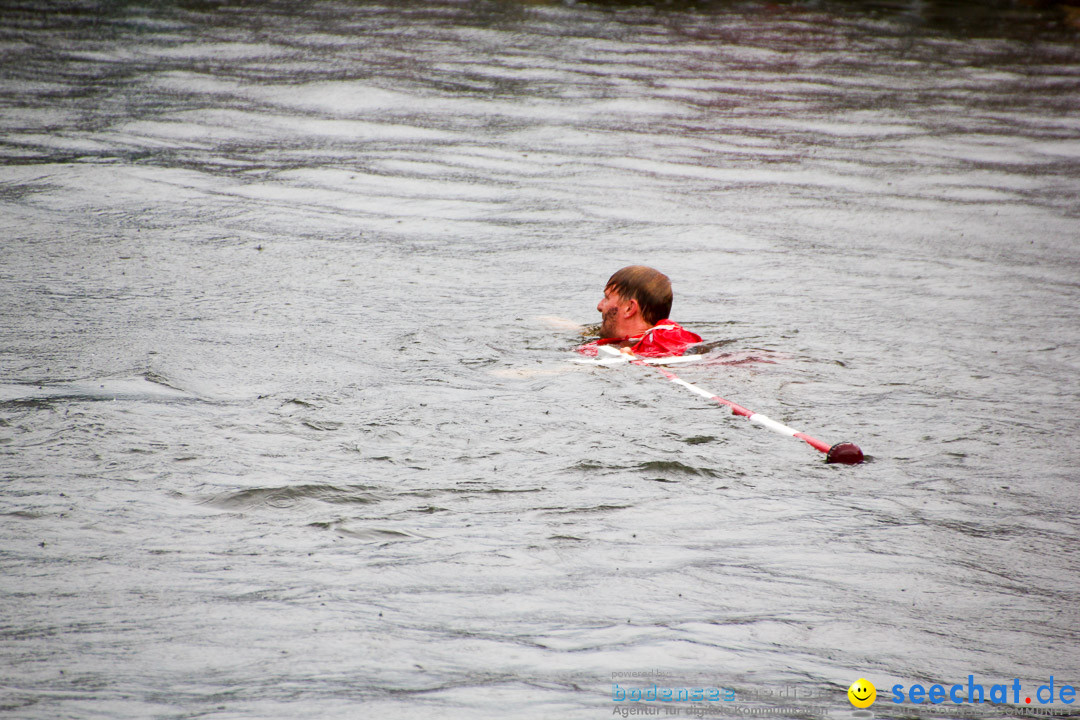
point(844, 453)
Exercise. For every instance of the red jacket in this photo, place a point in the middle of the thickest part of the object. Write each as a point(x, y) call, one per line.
point(663, 339)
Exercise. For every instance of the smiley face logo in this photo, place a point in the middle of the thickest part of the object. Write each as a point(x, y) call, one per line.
point(862, 693)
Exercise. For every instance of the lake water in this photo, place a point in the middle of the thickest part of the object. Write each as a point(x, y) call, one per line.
point(283, 435)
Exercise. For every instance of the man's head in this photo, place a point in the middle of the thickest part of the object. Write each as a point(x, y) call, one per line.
point(635, 299)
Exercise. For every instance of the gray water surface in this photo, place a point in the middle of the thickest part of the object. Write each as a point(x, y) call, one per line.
point(282, 433)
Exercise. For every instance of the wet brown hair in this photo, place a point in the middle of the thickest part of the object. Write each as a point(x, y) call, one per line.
point(651, 288)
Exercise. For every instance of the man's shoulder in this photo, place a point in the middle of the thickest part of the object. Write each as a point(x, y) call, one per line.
point(674, 328)
point(666, 337)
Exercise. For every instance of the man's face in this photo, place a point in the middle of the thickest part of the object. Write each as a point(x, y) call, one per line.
point(609, 308)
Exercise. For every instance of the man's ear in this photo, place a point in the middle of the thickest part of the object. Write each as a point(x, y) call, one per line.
point(632, 308)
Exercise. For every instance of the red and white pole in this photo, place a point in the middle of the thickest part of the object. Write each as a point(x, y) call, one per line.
point(845, 453)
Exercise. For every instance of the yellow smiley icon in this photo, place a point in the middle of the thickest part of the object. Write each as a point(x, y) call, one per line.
point(862, 693)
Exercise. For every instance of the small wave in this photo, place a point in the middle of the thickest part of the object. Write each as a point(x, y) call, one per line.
point(147, 387)
point(585, 510)
point(290, 495)
point(376, 534)
point(674, 466)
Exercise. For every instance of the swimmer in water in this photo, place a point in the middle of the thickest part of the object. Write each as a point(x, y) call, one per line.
point(634, 314)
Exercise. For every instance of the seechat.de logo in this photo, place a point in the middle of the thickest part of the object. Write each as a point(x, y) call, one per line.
point(975, 693)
